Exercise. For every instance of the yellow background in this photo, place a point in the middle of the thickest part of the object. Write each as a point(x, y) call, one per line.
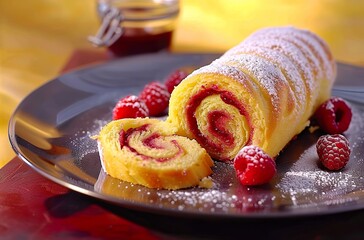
point(37, 37)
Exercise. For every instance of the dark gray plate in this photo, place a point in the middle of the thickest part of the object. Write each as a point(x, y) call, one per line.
point(51, 128)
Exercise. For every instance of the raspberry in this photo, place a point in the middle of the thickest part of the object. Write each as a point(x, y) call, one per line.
point(333, 151)
point(156, 97)
point(129, 107)
point(174, 79)
point(333, 116)
point(253, 166)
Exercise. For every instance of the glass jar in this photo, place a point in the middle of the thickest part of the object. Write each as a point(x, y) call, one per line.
point(136, 26)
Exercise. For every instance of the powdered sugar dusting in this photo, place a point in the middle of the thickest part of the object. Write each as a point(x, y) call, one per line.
point(84, 142)
point(305, 178)
point(288, 69)
point(315, 44)
point(226, 195)
point(312, 59)
point(228, 71)
point(213, 200)
point(295, 55)
point(264, 71)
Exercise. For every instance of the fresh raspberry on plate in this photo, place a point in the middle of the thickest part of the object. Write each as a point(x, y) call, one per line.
point(334, 115)
point(156, 97)
point(253, 166)
point(333, 151)
point(129, 107)
point(175, 78)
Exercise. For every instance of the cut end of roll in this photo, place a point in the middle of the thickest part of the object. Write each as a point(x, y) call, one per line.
point(147, 152)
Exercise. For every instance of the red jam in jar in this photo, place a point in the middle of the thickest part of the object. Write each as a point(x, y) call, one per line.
point(136, 41)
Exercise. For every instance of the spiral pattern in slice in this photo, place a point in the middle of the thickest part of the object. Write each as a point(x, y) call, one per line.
point(147, 152)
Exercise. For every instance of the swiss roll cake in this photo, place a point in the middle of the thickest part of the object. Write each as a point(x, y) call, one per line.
point(261, 92)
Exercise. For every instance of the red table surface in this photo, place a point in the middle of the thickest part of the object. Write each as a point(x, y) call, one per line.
point(33, 207)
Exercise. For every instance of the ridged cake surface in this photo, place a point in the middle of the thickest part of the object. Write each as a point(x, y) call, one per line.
point(261, 92)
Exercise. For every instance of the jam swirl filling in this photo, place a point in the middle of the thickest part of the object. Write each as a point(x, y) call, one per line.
point(152, 141)
point(216, 119)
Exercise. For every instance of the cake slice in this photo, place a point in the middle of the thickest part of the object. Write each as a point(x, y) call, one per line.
point(148, 152)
